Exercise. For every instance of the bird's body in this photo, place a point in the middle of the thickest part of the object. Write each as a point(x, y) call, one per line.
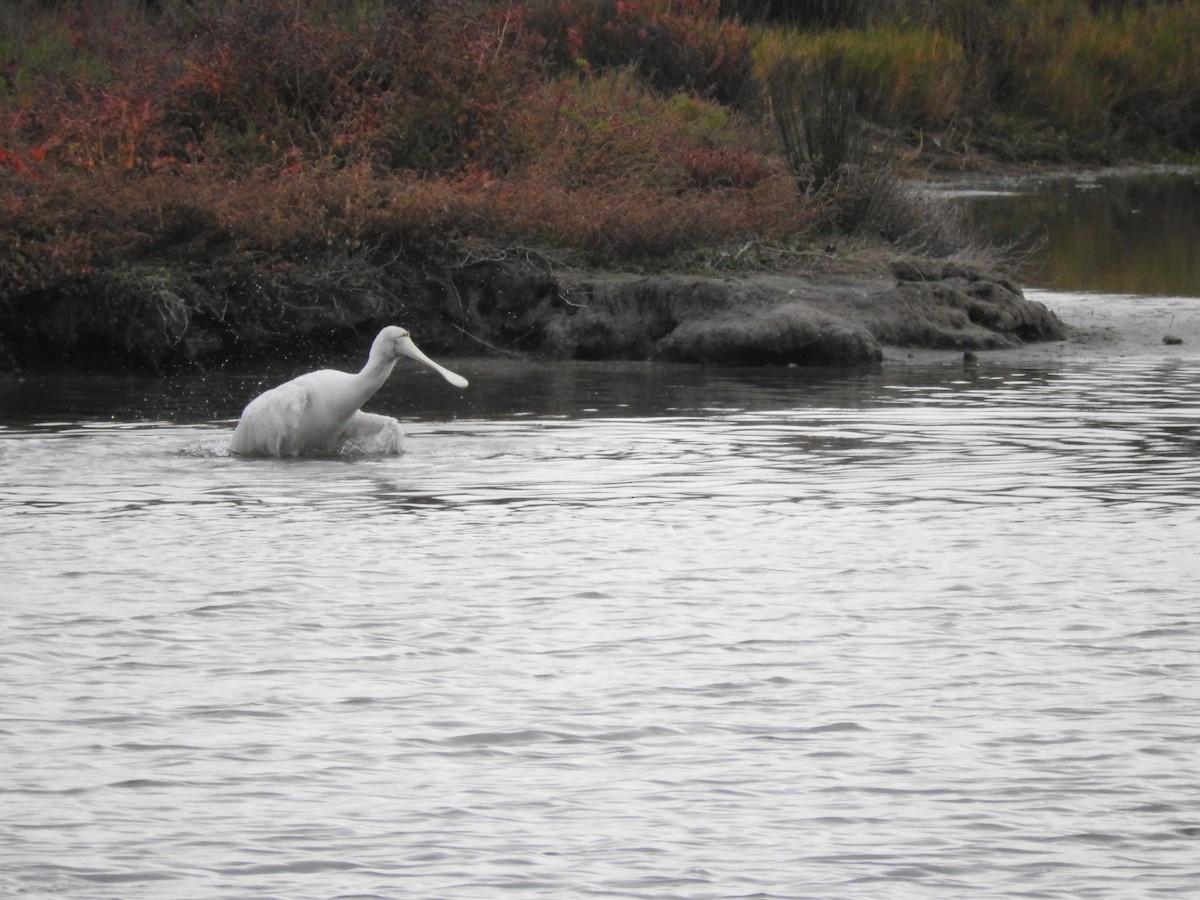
point(321, 412)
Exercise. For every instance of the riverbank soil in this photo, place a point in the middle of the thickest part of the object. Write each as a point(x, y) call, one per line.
point(780, 318)
point(155, 321)
point(1096, 327)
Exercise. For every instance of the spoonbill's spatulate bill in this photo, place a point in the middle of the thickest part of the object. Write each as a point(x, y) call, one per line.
point(321, 412)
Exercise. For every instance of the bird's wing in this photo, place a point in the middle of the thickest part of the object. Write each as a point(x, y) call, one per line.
point(371, 434)
point(270, 424)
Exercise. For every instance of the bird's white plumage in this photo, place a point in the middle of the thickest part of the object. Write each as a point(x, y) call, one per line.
point(319, 412)
point(372, 435)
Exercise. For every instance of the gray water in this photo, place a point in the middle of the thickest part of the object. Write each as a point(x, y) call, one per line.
point(609, 630)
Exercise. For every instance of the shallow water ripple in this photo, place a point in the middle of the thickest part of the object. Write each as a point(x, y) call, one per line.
point(937, 641)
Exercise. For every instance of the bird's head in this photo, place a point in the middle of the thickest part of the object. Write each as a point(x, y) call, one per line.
point(396, 342)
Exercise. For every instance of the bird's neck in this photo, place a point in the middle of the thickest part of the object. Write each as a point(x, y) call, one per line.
point(373, 375)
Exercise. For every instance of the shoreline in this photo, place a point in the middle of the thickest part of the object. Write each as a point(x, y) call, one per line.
point(924, 314)
point(866, 307)
point(1099, 327)
point(144, 321)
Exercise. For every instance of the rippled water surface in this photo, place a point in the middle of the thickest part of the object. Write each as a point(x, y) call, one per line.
point(609, 630)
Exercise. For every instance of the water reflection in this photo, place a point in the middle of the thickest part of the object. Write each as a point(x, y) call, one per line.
point(1116, 233)
point(500, 388)
point(636, 631)
point(631, 434)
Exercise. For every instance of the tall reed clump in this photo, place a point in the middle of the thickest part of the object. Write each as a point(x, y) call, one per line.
point(834, 96)
point(1097, 76)
point(901, 77)
point(1103, 73)
point(1127, 74)
point(815, 112)
point(833, 92)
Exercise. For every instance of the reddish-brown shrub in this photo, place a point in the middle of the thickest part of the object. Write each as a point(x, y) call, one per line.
point(729, 167)
point(258, 132)
point(580, 132)
point(676, 45)
point(409, 86)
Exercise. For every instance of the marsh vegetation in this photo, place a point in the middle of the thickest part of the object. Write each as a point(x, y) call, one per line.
point(295, 152)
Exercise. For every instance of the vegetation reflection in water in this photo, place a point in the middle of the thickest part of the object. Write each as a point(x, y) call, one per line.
point(1122, 234)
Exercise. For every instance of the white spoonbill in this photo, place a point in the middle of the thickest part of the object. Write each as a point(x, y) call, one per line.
point(320, 412)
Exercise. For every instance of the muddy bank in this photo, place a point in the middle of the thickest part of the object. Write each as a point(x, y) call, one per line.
point(1098, 327)
point(795, 319)
point(155, 320)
